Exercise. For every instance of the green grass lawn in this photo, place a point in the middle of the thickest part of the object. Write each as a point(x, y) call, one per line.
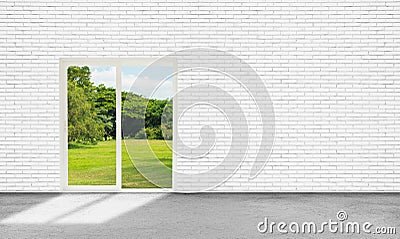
point(95, 164)
point(138, 149)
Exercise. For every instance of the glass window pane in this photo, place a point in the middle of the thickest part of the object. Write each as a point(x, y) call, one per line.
point(147, 115)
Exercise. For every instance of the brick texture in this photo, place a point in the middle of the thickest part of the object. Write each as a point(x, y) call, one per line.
point(332, 69)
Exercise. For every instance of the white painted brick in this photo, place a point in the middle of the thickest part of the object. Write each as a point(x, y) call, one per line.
point(332, 72)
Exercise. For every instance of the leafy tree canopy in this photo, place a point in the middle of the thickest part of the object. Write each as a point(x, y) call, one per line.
point(92, 111)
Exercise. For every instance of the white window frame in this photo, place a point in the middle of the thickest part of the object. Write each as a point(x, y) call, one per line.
point(118, 63)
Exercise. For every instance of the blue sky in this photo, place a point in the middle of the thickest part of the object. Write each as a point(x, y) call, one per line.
point(145, 82)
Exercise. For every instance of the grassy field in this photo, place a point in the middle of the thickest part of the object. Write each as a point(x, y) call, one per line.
point(95, 164)
point(140, 153)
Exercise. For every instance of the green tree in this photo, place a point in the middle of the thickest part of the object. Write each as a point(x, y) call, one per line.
point(81, 75)
point(154, 112)
point(166, 120)
point(83, 124)
point(92, 111)
point(133, 112)
point(105, 105)
point(151, 116)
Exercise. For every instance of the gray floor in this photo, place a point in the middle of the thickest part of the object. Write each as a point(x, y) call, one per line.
point(186, 215)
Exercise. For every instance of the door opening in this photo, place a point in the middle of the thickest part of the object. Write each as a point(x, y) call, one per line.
point(117, 124)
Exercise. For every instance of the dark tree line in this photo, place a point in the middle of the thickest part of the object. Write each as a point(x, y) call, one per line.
point(92, 112)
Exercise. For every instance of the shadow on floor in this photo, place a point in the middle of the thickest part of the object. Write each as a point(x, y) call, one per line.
point(212, 215)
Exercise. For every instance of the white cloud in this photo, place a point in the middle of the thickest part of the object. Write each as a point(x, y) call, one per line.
point(127, 81)
point(104, 75)
point(145, 86)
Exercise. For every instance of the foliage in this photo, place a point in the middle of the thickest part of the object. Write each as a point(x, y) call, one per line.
point(153, 112)
point(105, 103)
point(83, 125)
point(92, 111)
point(133, 112)
point(154, 133)
point(166, 121)
point(79, 74)
point(141, 134)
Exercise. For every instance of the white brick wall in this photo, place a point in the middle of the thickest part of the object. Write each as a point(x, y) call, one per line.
point(332, 69)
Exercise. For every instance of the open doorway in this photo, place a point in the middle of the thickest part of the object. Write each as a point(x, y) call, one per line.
point(116, 124)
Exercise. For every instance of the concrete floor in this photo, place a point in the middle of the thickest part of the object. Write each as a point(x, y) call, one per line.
point(147, 215)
